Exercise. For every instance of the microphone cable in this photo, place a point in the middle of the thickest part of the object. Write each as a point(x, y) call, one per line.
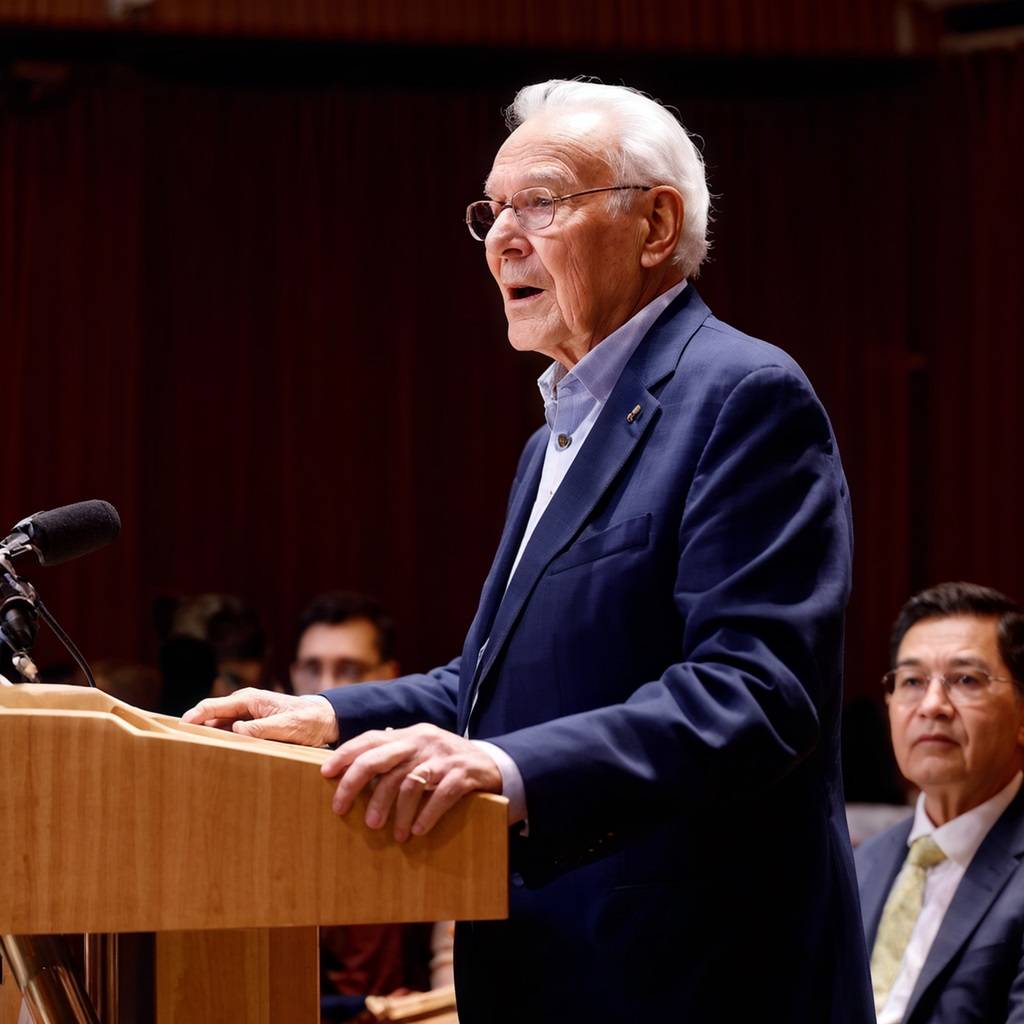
point(72, 649)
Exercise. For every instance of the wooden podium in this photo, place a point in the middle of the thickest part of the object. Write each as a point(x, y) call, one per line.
point(116, 820)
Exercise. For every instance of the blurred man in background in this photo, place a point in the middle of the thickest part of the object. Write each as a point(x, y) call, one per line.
point(943, 894)
point(343, 638)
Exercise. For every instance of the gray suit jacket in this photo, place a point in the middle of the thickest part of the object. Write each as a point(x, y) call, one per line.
point(975, 969)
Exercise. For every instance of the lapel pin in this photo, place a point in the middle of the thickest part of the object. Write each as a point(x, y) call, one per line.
point(633, 414)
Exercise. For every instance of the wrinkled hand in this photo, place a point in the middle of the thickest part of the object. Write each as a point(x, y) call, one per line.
point(420, 772)
point(269, 716)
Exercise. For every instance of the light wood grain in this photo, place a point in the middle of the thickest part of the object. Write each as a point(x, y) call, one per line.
point(115, 820)
point(259, 976)
point(10, 998)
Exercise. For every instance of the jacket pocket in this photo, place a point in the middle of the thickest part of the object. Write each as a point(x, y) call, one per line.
point(630, 533)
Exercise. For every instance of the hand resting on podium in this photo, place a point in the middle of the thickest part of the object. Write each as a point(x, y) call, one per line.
point(269, 715)
point(417, 774)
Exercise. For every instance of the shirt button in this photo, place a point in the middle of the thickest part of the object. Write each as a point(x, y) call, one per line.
point(564, 440)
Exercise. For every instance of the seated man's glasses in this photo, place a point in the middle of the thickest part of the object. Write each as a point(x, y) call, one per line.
point(963, 685)
point(534, 208)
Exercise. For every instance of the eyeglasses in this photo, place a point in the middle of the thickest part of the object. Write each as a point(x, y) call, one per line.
point(534, 208)
point(963, 686)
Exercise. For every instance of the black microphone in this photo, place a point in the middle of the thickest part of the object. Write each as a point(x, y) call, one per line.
point(64, 533)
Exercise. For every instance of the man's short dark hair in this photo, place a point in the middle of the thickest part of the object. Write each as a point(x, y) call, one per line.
point(948, 599)
point(339, 606)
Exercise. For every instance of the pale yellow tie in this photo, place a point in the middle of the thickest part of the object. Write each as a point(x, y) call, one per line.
point(900, 915)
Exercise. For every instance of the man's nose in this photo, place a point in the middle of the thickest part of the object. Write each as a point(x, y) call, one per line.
point(506, 236)
point(936, 698)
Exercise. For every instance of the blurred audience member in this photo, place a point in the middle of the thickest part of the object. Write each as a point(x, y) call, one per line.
point(347, 638)
point(231, 628)
point(343, 638)
point(942, 895)
point(238, 639)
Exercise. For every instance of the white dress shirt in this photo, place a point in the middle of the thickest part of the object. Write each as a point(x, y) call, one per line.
point(573, 400)
point(959, 840)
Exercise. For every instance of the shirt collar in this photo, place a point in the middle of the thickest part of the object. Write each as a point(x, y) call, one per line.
point(960, 838)
point(599, 370)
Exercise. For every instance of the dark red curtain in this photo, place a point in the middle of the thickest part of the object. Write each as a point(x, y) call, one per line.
point(238, 301)
point(972, 301)
point(715, 26)
point(71, 282)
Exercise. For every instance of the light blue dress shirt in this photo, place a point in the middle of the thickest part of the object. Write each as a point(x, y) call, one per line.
point(573, 400)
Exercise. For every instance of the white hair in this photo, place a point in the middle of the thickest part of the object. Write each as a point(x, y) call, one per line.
point(653, 149)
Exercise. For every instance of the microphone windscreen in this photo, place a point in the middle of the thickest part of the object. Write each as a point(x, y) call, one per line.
point(72, 530)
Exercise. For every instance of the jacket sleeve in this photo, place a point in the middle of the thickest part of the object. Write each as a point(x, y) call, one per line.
point(428, 697)
point(763, 576)
point(1015, 1009)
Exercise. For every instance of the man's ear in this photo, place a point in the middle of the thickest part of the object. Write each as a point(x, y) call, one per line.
point(664, 223)
point(1018, 694)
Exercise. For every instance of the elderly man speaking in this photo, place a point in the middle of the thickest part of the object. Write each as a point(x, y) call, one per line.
point(653, 673)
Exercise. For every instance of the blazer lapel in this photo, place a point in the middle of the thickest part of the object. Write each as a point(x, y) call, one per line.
point(608, 446)
point(996, 860)
point(574, 501)
point(494, 585)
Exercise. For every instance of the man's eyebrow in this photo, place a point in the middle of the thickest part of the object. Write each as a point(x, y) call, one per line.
point(969, 660)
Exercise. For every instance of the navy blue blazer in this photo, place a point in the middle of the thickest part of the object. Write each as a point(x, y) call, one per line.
point(665, 670)
point(974, 973)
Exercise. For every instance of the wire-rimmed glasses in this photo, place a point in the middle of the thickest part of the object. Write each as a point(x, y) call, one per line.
point(970, 685)
point(533, 207)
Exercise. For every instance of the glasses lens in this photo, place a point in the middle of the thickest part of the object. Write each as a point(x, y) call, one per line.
point(908, 686)
point(534, 208)
point(965, 686)
point(480, 218)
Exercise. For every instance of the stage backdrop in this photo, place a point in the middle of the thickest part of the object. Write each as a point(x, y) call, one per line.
point(237, 299)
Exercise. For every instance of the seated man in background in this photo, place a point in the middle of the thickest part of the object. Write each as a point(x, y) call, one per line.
point(343, 638)
point(346, 638)
point(942, 894)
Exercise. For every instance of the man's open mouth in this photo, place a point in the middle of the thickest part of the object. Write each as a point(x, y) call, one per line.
point(525, 293)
